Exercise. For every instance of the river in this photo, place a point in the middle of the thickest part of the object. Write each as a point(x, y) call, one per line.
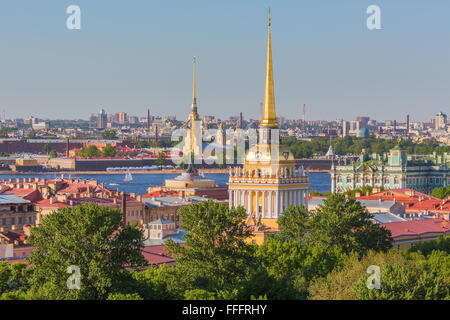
point(319, 181)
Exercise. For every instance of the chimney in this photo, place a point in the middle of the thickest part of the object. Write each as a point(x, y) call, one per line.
point(124, 207)
point(407, 124)
point(67, 148)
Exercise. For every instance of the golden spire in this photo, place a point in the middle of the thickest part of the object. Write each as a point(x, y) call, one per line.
point(269, 116)
point(194, 98)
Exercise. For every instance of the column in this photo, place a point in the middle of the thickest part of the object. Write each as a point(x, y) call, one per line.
point(275, 209)
point(270, 211)
point(256, 204)
point(264, 194)
point(250, 204)
point(230, 198)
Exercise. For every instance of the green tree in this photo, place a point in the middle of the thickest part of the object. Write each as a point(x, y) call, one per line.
point(109, 135)
point(161, 160)
point(441, 192)
point(122, 296)
point(215, 254)
point(338, 284)
point(53, 154)
point(400, 283)
point(427, 247)
point(90, 151)
point(31, 134)
point(345, 223)
point(13, 277)
point(90, 237)
point(109, 151)
point(293, 223)
point(46, 148)
point(199, 294)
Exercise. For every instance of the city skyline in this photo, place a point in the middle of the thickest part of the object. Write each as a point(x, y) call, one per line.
point(111, 63)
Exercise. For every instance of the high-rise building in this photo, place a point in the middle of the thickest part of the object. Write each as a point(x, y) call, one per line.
point(441, 121)
point(102, 119)
point(270, 181)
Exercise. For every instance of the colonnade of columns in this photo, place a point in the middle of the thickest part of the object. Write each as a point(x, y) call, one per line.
point(267, 203)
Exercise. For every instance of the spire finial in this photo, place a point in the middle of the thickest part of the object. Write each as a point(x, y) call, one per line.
point(269, 17)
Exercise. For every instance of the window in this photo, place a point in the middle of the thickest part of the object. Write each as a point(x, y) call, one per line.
point(13, 221)
point(349, 179)
point(20, 220)
point(339, 179)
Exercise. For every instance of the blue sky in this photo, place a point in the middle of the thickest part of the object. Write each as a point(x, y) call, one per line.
point(130, 55)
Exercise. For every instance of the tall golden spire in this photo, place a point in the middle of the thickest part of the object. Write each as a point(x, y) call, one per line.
point(269, 116)
point(194, 97)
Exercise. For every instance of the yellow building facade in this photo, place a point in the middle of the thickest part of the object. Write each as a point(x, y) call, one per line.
point(269, 181)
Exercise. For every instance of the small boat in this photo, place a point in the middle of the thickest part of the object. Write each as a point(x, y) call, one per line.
point(128, 176)
point(113, 184)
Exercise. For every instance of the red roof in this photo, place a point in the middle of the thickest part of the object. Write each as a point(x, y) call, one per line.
point(417, 227)
point(156, 255)
point(27, 194)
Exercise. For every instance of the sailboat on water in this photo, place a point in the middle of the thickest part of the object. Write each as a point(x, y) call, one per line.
point(128, 176)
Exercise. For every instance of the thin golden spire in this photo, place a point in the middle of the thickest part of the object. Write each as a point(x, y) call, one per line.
point(269, 116)
point(194, 97)
point(194, 94)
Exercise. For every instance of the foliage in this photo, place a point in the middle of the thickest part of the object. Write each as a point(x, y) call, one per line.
point(31, 134)
point(109, 151)
point(338, 284)
point(345, 223)
point(109, 135)
point(4, 131)
point(353, 145)
point(161, 160)
point(13, 276)
point(46, 148)
point(90, 151)
point(293, 223)
point(215, 254)
point(90, 237)
point(400, 283)
point(121, 296)
point(426, 248)
point(199, 294)
point(441, 192)
point(53, 154)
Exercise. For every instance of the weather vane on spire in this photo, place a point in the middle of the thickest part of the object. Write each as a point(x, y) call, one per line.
point(269, 17)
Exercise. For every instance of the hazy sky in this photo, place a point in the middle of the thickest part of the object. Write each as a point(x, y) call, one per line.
point(130, 55)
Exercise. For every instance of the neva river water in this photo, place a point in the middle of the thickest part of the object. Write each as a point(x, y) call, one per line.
point(318, 180)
